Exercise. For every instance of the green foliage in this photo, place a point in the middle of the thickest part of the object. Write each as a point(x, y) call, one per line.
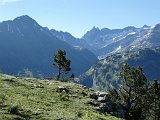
point(64, 96)
point(14, 109)
point(133, 91)
point(136, 98)
point(154, 97)
point(105, 73)
point(3, 99)
point(39, 100)
point(80, 114)
point(62, 63)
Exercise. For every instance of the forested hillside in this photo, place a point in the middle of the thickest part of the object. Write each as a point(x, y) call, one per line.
point(105, 73)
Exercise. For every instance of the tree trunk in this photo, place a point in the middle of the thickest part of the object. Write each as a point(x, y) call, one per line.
point(59, 74)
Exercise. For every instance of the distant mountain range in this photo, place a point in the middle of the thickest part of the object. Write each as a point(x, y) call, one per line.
point(104, 42)
point(108, 41)
point(24, 44)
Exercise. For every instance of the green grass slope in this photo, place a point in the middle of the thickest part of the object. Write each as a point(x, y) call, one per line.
point(32, 99)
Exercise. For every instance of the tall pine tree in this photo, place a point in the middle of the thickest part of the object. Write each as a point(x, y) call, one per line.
point(155, 96)
point(132, 93)
point(62, 63)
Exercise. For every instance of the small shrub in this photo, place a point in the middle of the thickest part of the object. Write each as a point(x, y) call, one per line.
point(2, 99)
point(64, 97)
point(14, 109)
point(80, 114)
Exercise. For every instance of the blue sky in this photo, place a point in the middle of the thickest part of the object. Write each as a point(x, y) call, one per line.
point(79, 16)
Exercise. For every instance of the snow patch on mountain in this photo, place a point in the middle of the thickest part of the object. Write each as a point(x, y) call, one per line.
point(131, 33)
point(118, 49)
point(152, 27)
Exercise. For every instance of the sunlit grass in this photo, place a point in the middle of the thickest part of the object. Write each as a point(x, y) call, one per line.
point(28, 98)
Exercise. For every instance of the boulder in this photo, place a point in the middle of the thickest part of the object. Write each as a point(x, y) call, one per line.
point(63, 89)
point(99, 96)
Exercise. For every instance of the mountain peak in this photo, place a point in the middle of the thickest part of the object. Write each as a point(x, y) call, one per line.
point(129, 28)
point(146, 26)
point(20, 24)
point(24, 18)
point(95, 28)
point(26, 21)
point(157, 27)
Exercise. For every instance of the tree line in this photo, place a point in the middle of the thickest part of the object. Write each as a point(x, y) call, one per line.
point(137, 99)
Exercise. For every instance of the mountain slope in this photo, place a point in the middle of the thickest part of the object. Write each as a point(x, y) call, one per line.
point(67, 37)
point(104, 74)
point(32, 99)
point(108, 41)
point(24, 44)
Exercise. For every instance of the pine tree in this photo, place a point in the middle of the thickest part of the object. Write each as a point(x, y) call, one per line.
point(137, 99)
point(133, 92)
point(155, 95)
point(62, 63)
